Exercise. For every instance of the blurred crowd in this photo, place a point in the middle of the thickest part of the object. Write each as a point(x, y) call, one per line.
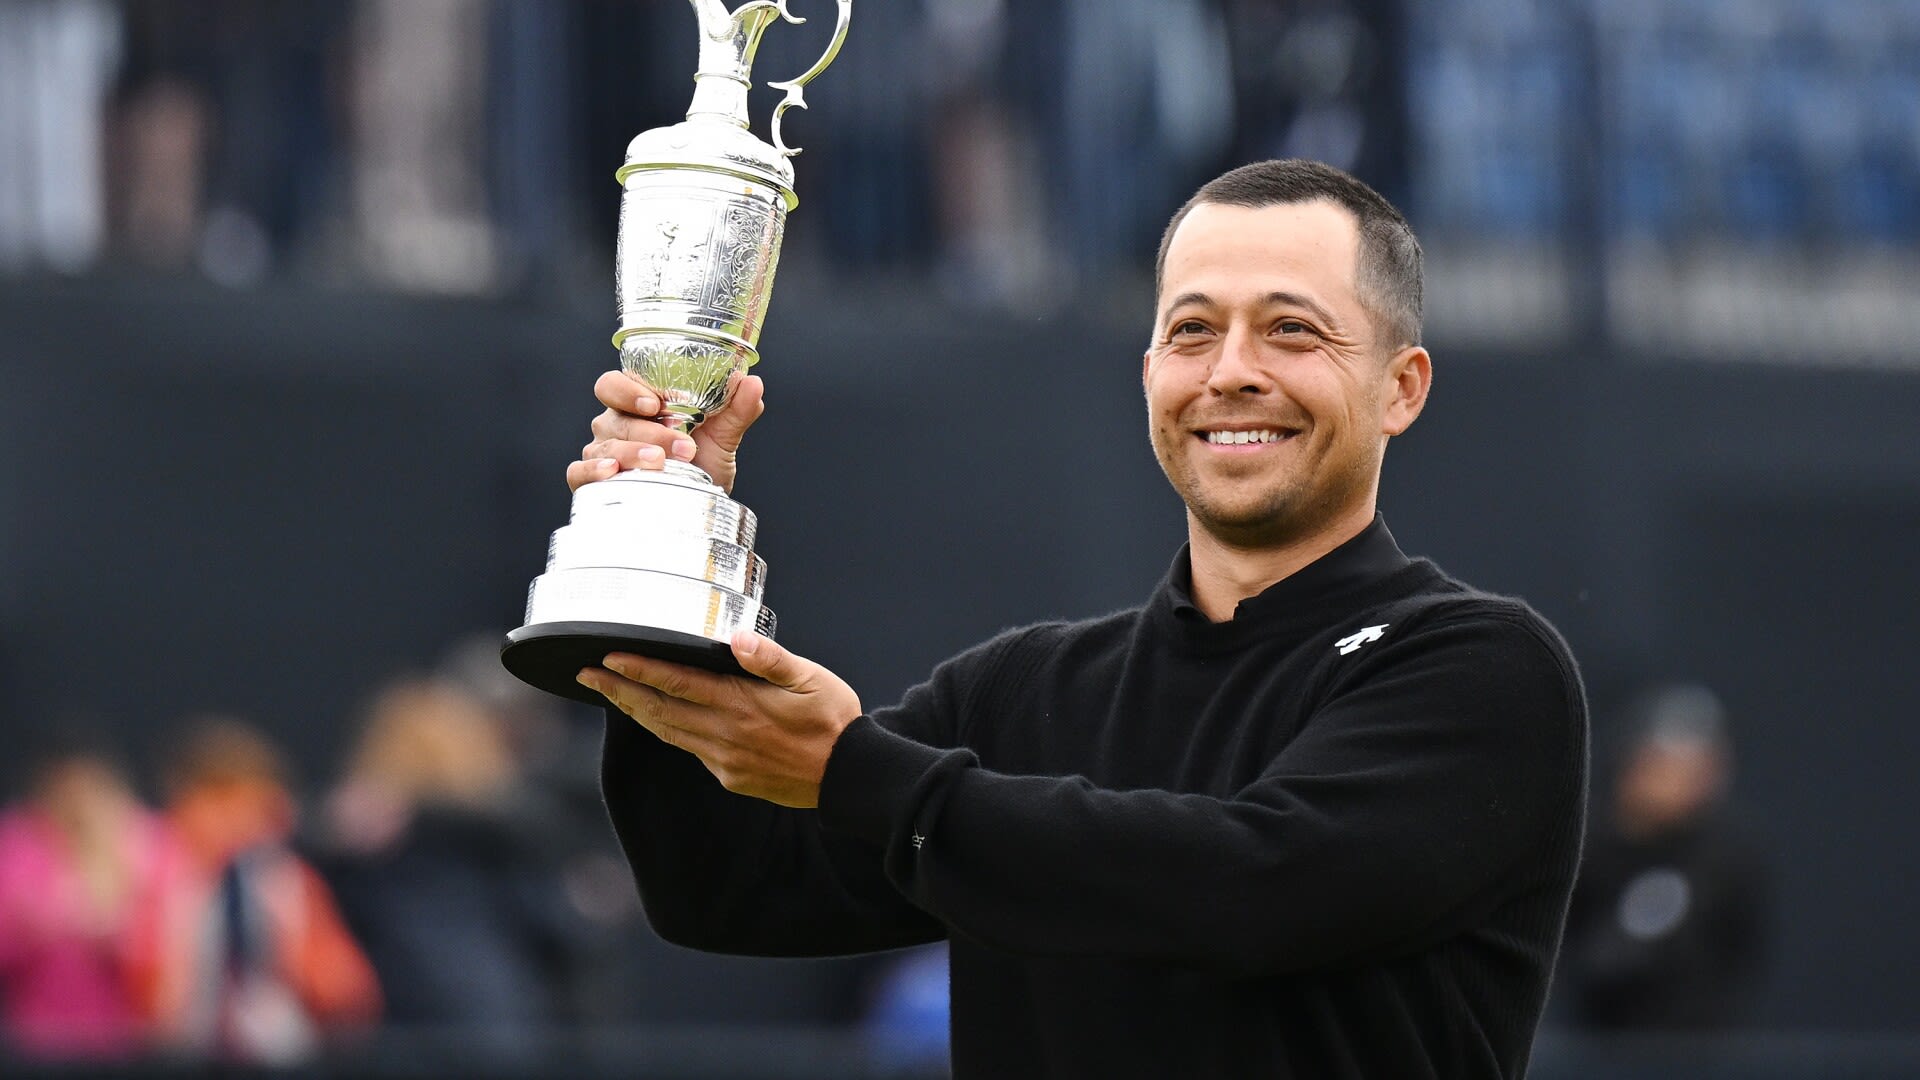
point(455, 884)
point(1013, 152)
point(468, 146)
point(1774, 121)
point(429, 886)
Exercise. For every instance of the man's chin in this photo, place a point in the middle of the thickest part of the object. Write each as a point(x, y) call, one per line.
point(1248, 526)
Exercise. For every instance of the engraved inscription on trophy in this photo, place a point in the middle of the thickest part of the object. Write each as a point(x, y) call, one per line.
point(669, 254)
point(683, 273)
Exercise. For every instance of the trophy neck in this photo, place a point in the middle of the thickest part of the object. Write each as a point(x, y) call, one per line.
point(681, 419)
point(728, 43)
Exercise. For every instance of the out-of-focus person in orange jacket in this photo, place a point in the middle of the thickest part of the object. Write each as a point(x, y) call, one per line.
point(246, 958)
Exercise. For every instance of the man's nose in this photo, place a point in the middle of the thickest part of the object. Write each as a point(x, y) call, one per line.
point(1240, 367)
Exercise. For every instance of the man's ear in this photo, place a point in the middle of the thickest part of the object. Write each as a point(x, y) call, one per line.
point(1409, 376)
point(1146, 367)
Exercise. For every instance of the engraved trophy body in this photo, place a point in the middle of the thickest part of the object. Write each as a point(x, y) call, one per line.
point(662, 563)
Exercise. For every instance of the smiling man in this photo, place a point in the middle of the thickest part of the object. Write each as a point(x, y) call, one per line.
point(1312, 810)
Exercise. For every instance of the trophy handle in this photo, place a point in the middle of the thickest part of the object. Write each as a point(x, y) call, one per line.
point(795, 88)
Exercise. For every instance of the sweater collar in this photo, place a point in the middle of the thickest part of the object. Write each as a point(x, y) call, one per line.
point(1301, 600)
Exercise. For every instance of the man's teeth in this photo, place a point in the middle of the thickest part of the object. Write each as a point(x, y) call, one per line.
point(1235, 438)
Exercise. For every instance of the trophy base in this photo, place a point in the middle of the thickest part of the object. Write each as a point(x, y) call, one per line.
point(550, 655)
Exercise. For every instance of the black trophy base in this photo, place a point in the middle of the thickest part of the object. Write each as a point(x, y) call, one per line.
point(550, 655)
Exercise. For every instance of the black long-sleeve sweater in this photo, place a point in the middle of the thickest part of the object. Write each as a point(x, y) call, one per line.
point(1332, 837)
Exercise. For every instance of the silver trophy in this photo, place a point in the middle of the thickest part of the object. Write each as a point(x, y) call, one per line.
point(662, 563)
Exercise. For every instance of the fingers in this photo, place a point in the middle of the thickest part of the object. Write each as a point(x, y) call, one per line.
point(629, 434)
point(762, 656)
point(673, 680)
point(611, 429)
point(746, 401)
point(649, 447)
point(719, 437)
point(768, 739)
point(621, 392)
point(660, 714)
point(581, 473)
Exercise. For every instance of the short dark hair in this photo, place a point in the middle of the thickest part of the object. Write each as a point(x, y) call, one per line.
point(1390, 280)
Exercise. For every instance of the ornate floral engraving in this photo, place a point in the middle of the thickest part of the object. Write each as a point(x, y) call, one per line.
point(691, 374)
point(743, 255)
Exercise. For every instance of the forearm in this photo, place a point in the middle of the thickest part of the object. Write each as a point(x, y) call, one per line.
point(1054, 865)
point(1386, 825)
point(726, 873)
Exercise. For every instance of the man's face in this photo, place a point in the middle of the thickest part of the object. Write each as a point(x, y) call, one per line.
point(1270, 393)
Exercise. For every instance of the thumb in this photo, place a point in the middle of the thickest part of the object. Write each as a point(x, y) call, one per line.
point(728, 426)
point(763, 657)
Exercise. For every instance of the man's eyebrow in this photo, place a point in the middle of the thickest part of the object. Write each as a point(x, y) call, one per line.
point(1297, 300)
point(1183, 300)
point(1271, 299)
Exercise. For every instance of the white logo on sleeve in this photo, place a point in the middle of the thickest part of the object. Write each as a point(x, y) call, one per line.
point(1366, 636)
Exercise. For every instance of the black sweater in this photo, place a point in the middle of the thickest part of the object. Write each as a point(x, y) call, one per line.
point(1332, 837)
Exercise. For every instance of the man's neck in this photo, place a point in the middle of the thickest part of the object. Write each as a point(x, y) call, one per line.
point(1225, 574)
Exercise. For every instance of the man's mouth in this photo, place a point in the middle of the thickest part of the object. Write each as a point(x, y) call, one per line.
point(1247, 437)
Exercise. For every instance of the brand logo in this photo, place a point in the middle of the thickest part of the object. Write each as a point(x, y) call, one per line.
point(1366, 636)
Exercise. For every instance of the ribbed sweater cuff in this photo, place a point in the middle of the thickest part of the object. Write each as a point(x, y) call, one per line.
point(873, 779)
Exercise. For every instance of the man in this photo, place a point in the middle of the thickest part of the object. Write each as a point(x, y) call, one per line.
point(1313, 810)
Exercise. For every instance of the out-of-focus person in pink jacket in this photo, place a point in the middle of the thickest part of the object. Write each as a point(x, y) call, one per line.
point(80, 858)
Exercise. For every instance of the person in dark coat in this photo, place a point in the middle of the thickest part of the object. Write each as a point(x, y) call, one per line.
point(441, 871)
point(1668, 928)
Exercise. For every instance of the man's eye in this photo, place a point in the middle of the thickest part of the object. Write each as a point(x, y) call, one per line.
point(1189, 326)
point(1292, 326)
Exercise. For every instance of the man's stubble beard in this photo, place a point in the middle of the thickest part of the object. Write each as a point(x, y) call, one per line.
point(1296, 509)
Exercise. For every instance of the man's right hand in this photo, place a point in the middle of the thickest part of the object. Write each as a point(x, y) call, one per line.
point(631, 435)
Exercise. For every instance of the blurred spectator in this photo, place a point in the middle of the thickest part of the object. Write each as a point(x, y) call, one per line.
point(419, 179)
point(1322, 79)
point(160, 176)
point(985, 167)
point(1667, 926)
point(445, 875)
point(244, 959)
point(57, 59)
point(222, 144)
point(1147, 99)
point(79, 857)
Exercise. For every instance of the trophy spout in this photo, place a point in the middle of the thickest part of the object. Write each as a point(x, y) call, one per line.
point(729, 40)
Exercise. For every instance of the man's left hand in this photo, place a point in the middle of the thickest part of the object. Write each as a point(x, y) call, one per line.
point(766, 739)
